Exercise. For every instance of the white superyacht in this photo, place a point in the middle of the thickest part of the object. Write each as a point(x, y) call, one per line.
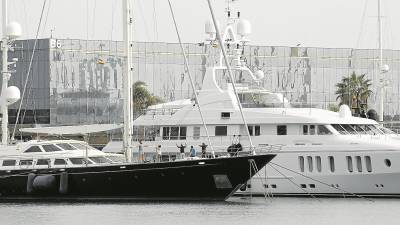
point(320, 152)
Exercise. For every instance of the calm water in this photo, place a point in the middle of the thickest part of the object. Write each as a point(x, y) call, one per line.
point(278, 211)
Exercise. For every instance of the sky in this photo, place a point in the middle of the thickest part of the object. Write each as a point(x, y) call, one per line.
point(310, 23)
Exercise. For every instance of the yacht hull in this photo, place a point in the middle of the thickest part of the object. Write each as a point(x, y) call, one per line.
point(203, 179)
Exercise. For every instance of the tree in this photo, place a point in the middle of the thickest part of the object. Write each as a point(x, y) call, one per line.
point(142, 98)
point(354, 92)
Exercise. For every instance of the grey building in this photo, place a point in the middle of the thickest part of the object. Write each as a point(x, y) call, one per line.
point(79, 82)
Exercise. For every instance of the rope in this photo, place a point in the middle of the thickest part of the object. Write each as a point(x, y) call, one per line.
point(190, 77)
point(29, 69)
point(321, 182)
point(229, 71)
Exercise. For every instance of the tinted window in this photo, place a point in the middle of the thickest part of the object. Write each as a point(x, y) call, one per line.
point(66, 146)
point(79, 146)
point(319, 166)
point(221, 131)
point(79, 161)
point(322, 130)
point(33, 149)
point(174, 133)
point(43, 162)
point(301, 163)
point(60, 162)
point(50, 148)
point(99, 159)
point(281, 130)
point(349, 164)
point(9, 162)
point(182, 133)
point(257, 131)
point(25, 162)
point(165, 133)
point(312, 129)
point(310, 163)
point(368, 163)
point(331, 163)
point(196, 133)
point(339, 128)
point(359, 164)
point(118, 159)
point(305, 129)
point(250, 130)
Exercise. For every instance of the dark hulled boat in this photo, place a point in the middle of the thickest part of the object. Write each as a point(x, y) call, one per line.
point(196, 179)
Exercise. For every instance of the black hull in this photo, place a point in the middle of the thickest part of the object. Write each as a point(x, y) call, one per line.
point(208, 179)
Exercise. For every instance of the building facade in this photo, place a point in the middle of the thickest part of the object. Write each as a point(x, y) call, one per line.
point(79, 82)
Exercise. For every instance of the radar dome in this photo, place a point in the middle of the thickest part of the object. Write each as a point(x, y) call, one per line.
point(385, 68)
point(344, 111)
point(11, 95)
point(14, 30)
point(372, 114)
point(259, 74)
point(243, 27)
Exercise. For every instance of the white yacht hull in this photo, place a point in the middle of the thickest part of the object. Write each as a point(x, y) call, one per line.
point(283, 176)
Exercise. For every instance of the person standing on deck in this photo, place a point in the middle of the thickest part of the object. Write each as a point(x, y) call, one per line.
point(203, 150)
point(158, 153)
point(192, 151)
point(140, 153)
point(182, 150)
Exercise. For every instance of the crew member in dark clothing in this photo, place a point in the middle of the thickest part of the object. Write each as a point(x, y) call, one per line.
point(182, 150)
point(203, 150)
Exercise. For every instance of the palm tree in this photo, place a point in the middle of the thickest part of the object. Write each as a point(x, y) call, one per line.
point(142, 98)
point(354, 91)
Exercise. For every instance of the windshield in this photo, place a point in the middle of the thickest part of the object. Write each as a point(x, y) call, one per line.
point(263, 100)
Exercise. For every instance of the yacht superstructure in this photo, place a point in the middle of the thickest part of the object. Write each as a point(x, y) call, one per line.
point(319, 151)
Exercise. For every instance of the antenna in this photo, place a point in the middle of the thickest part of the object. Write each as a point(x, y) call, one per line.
point(382, 68)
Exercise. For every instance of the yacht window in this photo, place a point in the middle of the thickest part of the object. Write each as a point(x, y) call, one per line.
point(301, 163)
point(257, 131)
point(99, 160)
point(50, 148)
point(9, 162)
point(358, 128)
point(310, 163)
point(386, 130)
point(319, 166)
point(349, 129)
point(323, 130)
point(312, 129)
point(41, 162)
point(117, 159)
point(26, 162)
point(60, 162)
point(66, 146)
point(349, 164)
point(80, 146)
point(368, 163)
point(339, 128)
point(33, 149)
point(225, 115)
point(250, 130)
point(331, 163)
point(174, 134)
point(375, 129)
point(359, 165)
point(305, 129)
point(165, 133)
point(221, 130)
point(281, 130)
point(182, 133)
point(79, 161)
point(196, 133)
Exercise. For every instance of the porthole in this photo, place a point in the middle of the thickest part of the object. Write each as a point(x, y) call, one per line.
point(388, 163)
point(273, 185)
point(303, 186)
point(249, 186)
point(265, 185)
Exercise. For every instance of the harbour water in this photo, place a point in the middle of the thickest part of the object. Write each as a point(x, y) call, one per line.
point(243, 211)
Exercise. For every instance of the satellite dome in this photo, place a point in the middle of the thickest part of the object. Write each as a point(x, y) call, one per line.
point(259, 74)
point(344, 111)
point(243, 27)
point(11, 95)
point(14, 30)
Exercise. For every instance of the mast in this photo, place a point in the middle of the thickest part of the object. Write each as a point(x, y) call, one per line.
point(5, 74)
point(381, 81)
point(128, 75)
